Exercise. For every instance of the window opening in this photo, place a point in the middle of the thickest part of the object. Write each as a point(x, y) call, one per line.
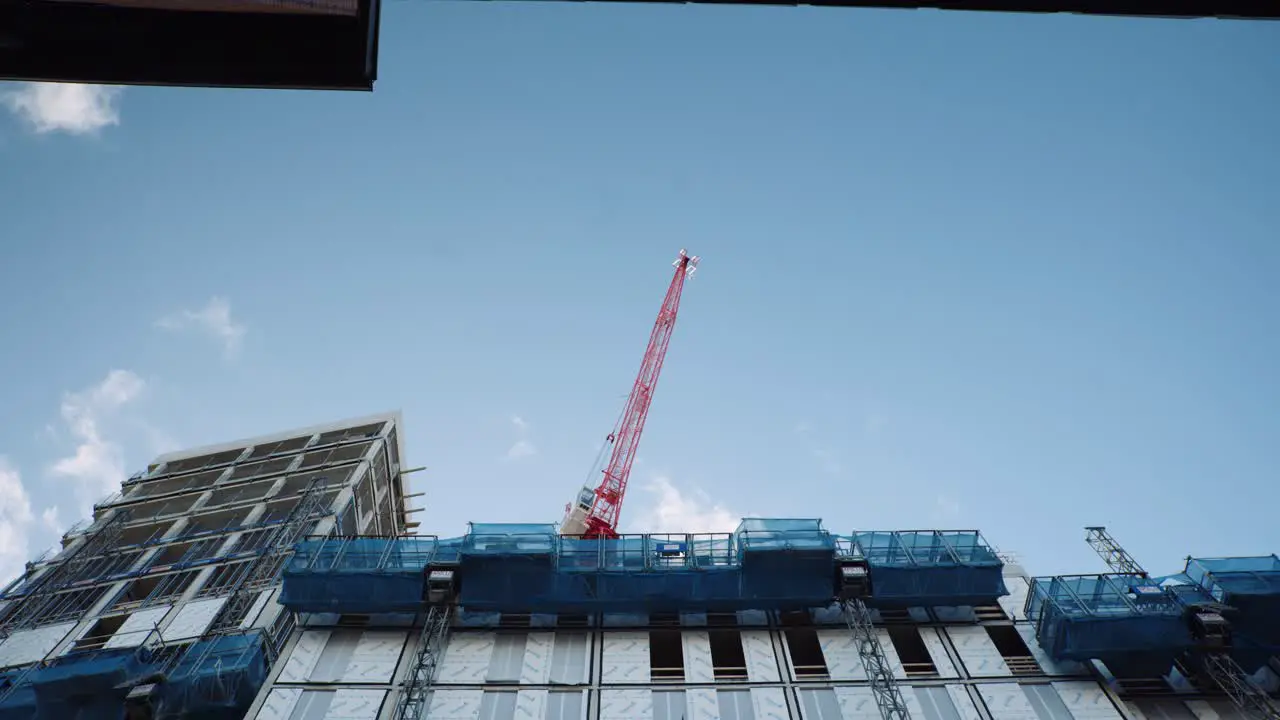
point(806, 653)
point(1017, 656)
point(666, 656)
point(728, 661)
point(914, 654)
point(99, 633)
point(735, 705)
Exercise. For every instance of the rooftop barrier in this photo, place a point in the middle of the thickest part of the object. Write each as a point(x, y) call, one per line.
point(1251, 586)
point(915, 568)
point(1131, 623)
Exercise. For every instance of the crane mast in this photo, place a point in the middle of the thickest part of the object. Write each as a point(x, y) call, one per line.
point(595, 512)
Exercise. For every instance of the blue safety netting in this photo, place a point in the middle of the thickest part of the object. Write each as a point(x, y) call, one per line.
point(1251, 586)
point(360, 574)
point(792, 553)
point(20, 702)
point(216, 679)
point(917, 568)
point(1131, 623)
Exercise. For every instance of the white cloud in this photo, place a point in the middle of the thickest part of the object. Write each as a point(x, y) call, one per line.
point(213, 319)
point(96, 468)
point(673, 511)
point(522, 447)
point(51, 521)
point(64, 107)
point(945, 508)
point(15, 522)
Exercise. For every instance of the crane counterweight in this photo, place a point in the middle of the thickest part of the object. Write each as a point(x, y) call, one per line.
point(596, 511)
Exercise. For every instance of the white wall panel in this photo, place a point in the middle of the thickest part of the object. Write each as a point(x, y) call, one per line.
point(1013, 603)
point(27, 646)
point(1050, 666)
point(857, 703)
point(938, 652)
point(375, 657)
point(455, 704)
point(915, 708)
point(531, 705)
point(762, 665)
point(255, 610)
point(626, 658)
point(305, 655)
point(890, 654)
point(1134, 710)
point(696, 646)
point(770, 704)
point(1007, 701)
point(353, 704)
point(840, 650)
point(1214, 710)
point(466, 659)
point(279, 704)
point(701, 704)
point(536, 669)
point(977, 652)
point(963, 702)
point(138, 626)
point(1087, 701)
point(193, 619)
point(625, 704)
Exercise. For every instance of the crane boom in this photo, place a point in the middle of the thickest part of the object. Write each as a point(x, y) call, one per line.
point(596, 511)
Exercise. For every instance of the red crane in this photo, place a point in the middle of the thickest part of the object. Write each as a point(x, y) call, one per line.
point(595, 513)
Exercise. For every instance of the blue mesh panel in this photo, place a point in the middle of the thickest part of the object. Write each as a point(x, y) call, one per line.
point(916, 568)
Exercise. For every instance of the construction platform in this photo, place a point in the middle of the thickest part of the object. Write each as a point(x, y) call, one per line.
point(1139, 626)
point(766, 564)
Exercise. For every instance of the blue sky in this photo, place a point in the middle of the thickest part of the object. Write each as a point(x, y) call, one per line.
point(1006, 272)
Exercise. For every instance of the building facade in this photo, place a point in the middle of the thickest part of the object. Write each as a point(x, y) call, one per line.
point(180, 575)
point(186, 545)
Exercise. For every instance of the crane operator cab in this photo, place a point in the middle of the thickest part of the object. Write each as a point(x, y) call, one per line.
point(576, 514)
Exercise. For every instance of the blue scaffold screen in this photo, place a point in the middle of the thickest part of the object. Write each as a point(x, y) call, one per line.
point(914, 568)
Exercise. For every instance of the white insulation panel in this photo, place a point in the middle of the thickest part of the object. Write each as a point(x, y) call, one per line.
point(1087, 701)
point(701, 704)
point(455, 704)
point(963, 702)
point(279, 704)
point(531, 705)
point(626, 658)
point(769, 704)
point(762, 665)
point(536, 669)
point(978, 652)
point(376, 656)
point(1007, 701)
point(938, 652)
point(1016, 600)
point(466, 658)
point(26, 646)
point(304, 656)
point(354, 704)
point(138, 626)
point(629, 704)
point(857, 703)
point(840, 650)
point(193, 619)
point(696, 646)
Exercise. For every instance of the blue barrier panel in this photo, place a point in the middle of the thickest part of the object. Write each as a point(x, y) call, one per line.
point(217, 679)
point(1130, 623)
point(789, 555)
point(1250, 585)
point(915, 568)
point(21, 702)
point(358, 575)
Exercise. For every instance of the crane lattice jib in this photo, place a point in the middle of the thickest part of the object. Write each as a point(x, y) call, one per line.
point(607, 507)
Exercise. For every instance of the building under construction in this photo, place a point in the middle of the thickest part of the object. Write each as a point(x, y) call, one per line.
point(278, 578)
point(273, 579)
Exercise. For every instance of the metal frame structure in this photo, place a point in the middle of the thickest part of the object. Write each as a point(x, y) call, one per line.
point(883, 685)
point(1213, 657)
point(412, 704)
point(37, 597)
